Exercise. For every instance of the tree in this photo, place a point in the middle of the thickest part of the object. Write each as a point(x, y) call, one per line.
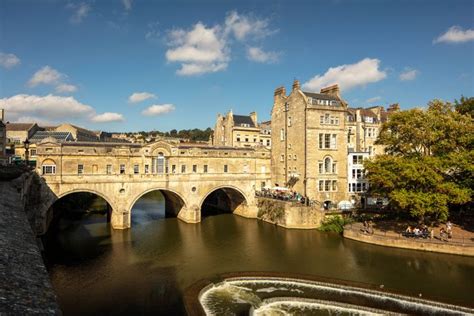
point(427, 169)
point(465, 105)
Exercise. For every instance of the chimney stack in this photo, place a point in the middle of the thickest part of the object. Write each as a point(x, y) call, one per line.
point(253, 116)
point(332, 90)
point(279, 92)
point(296, 85)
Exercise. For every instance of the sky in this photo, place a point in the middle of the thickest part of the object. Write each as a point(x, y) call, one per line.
point(133, 65)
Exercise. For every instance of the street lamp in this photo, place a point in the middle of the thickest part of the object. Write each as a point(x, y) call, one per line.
point(26, 143)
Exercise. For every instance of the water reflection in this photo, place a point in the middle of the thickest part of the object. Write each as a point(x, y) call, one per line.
point(144, 270)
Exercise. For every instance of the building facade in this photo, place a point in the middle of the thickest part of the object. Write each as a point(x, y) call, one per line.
point(234, 130)
point(319, 144)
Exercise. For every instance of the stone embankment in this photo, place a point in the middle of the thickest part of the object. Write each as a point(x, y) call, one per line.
point(25, 288)
point(463, 247)
point(289, 214)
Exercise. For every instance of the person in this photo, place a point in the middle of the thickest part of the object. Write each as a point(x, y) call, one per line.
point(449, 230)
point(408, 230)
point(432, 234)
point(442, 234)
point(416, 231)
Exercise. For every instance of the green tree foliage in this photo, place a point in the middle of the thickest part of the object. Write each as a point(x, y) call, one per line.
point(465, 105)
point(427, 169)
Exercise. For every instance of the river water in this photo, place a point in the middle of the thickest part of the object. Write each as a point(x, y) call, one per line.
point(144, 270)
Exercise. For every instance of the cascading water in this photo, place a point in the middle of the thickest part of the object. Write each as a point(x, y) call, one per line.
point(284, 296)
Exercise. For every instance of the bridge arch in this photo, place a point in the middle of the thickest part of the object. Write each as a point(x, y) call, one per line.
point(53, 216)
point(223, 199)
point(174, 201)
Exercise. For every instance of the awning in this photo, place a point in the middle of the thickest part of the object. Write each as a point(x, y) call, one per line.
point(345, 205)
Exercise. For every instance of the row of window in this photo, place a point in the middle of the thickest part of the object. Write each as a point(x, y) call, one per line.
point(282, 157)
point(327, 141)
point(327, 119)
point(321, 102)
point(327, 185)
point(51, 169)
point(358, 187)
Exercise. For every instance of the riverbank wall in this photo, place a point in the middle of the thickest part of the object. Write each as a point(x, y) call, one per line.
point(289, 214)
point(448, 247)
point(25, 287)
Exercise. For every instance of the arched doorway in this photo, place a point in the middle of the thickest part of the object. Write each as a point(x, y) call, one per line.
point(154, 205)
point(327, 205)
point(222, 200)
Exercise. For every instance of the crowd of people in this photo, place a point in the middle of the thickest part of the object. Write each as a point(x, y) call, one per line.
point(423, 232)
point(282, 194)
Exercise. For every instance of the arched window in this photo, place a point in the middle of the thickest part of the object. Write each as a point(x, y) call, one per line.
point(328, 165)
point(48, 166)
point(160, 163)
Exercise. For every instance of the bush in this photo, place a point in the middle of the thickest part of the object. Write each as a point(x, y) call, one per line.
point(334, 224)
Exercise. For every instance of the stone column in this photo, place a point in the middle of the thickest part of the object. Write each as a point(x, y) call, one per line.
point(120, 218)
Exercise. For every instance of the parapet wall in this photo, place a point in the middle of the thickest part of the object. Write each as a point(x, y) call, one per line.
point(289, 214)
point(25, 287)
point(390, 241)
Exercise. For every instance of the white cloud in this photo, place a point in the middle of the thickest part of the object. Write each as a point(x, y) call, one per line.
point(455, 34)
point(408, 74)
point(158, 109)
point(108, 117)
point(45, 108)
point(258, 55)
point(9, 60)
point(45, 75)
point(66, 88)
point(140, 96)
point(246, 26)
point(81, 10)
point(348, 76)
point(374, 99)
point(127, 4)
point(199, 50)
point(204, 49)
point(50, 76)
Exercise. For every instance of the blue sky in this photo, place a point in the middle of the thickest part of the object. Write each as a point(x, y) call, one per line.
point(129, 65)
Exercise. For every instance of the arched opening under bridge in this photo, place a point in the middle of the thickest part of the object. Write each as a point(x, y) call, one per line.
point(79, 227)
point(222, 200)
point(154, 205)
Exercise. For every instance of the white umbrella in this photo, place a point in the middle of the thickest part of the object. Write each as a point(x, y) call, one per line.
point(345, 205)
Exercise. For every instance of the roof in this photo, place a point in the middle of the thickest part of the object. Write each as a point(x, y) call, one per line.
point(59, 136)
point(79, 129)
point(243, 119)
point(19, 126)
point(320, 96)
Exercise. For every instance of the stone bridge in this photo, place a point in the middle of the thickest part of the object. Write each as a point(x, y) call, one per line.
point(189, 177)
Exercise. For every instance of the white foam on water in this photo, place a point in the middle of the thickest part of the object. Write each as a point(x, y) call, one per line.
point(280, 306)
point(414, 303)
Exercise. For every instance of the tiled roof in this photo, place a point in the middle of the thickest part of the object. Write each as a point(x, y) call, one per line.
point(243, 119)
point(19, 126)
point(321, 96)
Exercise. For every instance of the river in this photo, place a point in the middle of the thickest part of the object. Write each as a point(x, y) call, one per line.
point(144, 270)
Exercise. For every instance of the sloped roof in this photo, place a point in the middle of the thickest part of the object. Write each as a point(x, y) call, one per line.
point(243, 119)
point(321, 96)
point(17, 127)
point(59, 136)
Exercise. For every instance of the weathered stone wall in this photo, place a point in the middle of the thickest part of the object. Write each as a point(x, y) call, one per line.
point(451, 248)
point(24, 282)
point(288, 214)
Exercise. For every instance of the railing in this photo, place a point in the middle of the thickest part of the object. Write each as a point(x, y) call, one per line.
point(393, 235)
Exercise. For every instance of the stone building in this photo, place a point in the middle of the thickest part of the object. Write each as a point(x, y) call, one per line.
point(319, 144)
point(188, 176)
point(241, 131)
point(309, 143)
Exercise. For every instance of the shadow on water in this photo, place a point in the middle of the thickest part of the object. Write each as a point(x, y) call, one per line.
point(144, 270)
